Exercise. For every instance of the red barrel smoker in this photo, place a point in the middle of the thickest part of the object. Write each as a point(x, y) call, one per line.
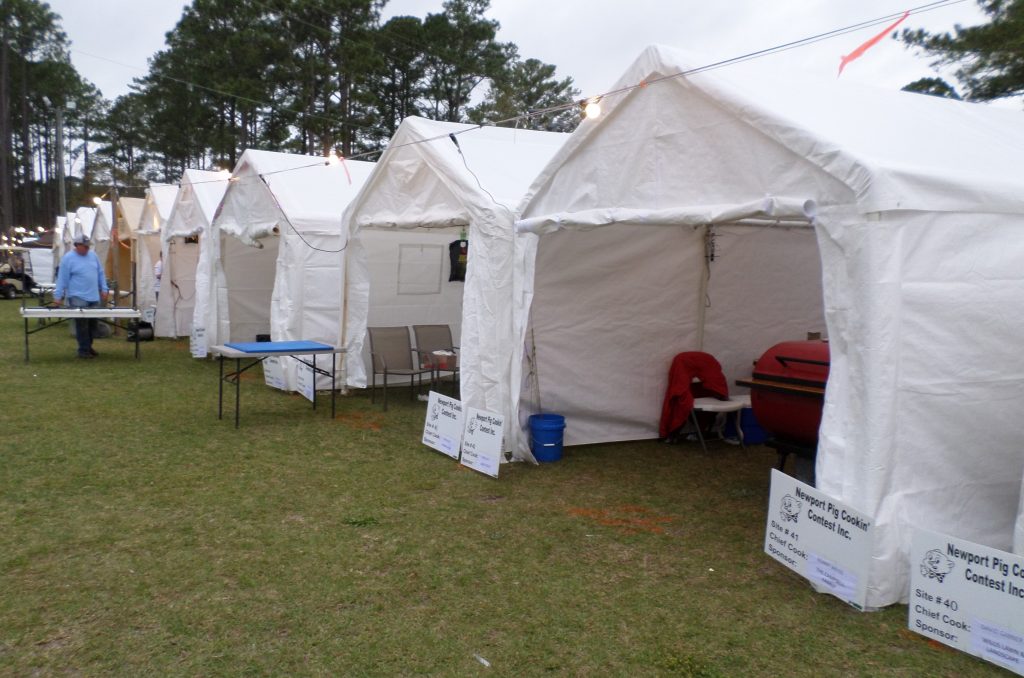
point(787, 392)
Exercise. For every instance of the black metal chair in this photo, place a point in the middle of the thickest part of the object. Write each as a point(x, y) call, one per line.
point(392, 354)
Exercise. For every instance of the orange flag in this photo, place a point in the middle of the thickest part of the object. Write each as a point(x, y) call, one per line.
point(859, 52)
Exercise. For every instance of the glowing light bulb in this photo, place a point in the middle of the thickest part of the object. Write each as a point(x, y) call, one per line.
point(592, 109)
point(333, 159)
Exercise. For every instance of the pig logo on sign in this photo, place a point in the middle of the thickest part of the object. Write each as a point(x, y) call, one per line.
point(435, 412)
point(790, 508)
point(473, 424)
point(935, 565)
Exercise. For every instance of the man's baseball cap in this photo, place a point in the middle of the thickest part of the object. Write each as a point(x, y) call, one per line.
point(81, 240)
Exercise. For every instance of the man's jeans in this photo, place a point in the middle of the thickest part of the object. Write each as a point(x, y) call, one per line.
point(85, 329)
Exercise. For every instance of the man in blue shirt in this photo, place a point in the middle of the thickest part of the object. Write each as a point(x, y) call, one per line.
point(81, 280)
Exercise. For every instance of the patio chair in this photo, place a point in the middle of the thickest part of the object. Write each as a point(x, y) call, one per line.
point(391, 353)
point(693, 374)
point(436, 350)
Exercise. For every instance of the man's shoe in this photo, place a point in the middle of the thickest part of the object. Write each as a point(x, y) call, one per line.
point(85, 356)
point(93, 353)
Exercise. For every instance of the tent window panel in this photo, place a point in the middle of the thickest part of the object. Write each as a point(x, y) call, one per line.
point(420, 268)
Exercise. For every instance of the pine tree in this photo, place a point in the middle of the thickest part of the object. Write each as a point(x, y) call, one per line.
point(989, 57)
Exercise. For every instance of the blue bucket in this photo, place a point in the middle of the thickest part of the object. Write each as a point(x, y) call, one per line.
point(753, 434)
point(546, 436)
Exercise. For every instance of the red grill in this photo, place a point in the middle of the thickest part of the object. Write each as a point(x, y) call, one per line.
point(787, 391)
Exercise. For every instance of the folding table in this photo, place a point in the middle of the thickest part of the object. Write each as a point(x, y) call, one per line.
point(110, 316)
point(258, 351)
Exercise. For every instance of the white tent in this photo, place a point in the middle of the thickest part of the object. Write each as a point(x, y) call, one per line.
point(916, 204)
point(425, 191)
point(120, 262)
point(155, 213)
point(60, 239)
point(102, 228)
point(41, 262)
point(277, 256)
point(196, 202)
point(82, 222)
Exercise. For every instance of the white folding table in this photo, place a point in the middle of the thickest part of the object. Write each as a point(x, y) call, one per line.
point(110, 316)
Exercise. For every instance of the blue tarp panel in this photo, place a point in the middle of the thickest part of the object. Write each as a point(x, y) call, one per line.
point(277, 346)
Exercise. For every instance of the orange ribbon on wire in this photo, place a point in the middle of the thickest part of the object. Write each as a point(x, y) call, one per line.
point(859, 52)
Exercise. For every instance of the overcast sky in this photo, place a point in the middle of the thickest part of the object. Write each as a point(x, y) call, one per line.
point(591, 40)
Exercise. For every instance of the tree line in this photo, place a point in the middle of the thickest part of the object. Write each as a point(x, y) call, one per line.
point(312, 76)
point(302, 76)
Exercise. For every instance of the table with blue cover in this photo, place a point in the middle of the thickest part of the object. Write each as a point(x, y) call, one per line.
point(258, 351)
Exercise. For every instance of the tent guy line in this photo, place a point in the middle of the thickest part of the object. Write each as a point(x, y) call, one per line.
point(741, 59)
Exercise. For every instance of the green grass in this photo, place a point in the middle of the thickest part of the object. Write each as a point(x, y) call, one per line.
point(142, 536)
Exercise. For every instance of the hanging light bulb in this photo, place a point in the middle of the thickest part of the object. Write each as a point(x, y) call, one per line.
point(97, 200)
point(592, 107)
point(333, 159)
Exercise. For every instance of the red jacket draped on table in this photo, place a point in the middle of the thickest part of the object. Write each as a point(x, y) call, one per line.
point(681, 390)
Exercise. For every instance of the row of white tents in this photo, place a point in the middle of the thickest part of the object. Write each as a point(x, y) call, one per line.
point(720, 211)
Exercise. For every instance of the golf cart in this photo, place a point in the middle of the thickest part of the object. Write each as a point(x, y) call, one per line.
point(15, 272)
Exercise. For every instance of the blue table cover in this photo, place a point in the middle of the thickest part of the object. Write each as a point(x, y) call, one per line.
point(277, 346)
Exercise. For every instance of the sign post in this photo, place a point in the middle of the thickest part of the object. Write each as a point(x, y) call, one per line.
point(273, 374)
point(820, 538)
point(443, 427)
point(481, 441)
point(968, 596)
point(305, 380)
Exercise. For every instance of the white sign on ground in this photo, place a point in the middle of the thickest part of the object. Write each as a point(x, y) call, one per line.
point(819, 538)
point(442, 429)
point(968, 596)
point(481, 441)
point(273, 374)
point(305, 380)
point(197, 342)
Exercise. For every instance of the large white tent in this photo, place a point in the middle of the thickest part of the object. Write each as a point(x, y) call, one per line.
point(197, 200)
point(277, 256)
point(916, 203)
point(102, 229)
point(120, 264)
point(155, 213)
point(434, 181)
point(60, 239)
point(82, 221)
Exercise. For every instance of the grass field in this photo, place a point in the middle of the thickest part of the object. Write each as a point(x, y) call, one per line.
point(142, 536)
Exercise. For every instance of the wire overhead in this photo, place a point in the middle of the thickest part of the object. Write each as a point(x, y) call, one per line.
point(582, 103)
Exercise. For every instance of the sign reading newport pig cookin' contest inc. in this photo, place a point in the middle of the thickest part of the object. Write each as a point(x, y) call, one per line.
point(443, 426)
point(819, 538)
point(968, 596)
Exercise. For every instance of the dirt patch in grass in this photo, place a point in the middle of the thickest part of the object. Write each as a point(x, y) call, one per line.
point(360, 421)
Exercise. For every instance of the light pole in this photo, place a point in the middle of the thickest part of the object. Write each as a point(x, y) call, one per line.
point(62, 201)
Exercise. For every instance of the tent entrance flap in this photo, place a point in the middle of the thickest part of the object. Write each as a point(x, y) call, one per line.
point(249, 276)
point(613, 305)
